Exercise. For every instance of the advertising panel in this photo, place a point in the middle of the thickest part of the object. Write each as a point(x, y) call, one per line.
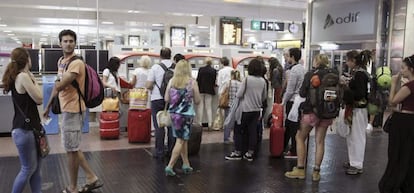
point(344, 21)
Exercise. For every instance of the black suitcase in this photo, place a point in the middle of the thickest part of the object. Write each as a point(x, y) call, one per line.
point(194, 142)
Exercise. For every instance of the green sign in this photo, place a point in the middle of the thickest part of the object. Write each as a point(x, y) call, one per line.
point(255, 25)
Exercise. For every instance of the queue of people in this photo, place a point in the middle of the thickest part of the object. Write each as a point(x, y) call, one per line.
point(247, 103)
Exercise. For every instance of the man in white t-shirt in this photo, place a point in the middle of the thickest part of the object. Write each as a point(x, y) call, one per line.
point(224, 74)
point(154, 81)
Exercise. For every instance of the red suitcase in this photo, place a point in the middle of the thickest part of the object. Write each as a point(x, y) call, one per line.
point(109, 116)
point(108, 124)
point(276, 140)
point(277, 115)
point(109, 133)
point(139, 126)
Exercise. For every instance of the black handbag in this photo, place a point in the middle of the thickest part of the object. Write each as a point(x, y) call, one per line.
point(387, 125)
point(56, 105)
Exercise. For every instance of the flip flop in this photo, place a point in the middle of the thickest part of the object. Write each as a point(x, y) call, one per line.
point(92, 186)
point(66, 190)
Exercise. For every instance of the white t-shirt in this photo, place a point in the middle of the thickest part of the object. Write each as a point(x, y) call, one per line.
point(111, 79)
point(155, 75)
point(141, 75)
point(224, 75)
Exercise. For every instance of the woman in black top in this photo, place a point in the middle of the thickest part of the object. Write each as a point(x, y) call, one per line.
point(356, 114)
point(399, 174)
point(26, 95)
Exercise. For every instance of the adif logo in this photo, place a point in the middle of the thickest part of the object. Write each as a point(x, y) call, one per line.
point(351, 18)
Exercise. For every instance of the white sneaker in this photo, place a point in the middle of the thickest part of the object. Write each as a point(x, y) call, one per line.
point(369, 128)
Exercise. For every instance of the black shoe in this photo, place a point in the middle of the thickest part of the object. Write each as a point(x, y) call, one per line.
point(233, 156)
point(248, 156)
point(354, 171)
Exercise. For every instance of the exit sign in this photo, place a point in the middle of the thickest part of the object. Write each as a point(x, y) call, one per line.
point(267, 26)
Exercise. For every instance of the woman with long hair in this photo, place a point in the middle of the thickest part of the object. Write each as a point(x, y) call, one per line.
point(399, 173)
point(26, 95)
point(234, 85)
point(181, 95)
point(356, 113)
point(276, 78)
point(110, 78)
point(308, 122)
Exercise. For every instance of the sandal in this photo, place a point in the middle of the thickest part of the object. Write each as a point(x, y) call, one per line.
point(92, 186)
point(66, 190)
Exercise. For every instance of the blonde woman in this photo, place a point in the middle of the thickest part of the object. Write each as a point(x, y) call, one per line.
point(140, 74)
point(308, 122)
point(181, 94)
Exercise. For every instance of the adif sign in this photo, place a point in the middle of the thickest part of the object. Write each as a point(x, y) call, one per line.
point(343, 21)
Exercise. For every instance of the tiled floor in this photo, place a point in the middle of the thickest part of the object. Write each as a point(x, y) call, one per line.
point(129, 168)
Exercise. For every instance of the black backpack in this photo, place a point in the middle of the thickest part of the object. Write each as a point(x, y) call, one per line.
point(168, 74)
point(325, 98)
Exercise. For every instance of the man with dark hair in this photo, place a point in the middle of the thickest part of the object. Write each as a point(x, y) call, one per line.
point(72, 119)
point(154, 81)
point(223, 78)
point(294, 75)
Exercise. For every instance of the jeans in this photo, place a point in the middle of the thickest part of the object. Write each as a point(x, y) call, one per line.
point(227, 131)
point(29, 160)
point(158, 105)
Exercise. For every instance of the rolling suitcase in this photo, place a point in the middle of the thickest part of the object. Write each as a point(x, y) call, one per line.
point(277, 132)
point(139, 126)
point(277, 115)
point(276, 139)
point(194, 142)
point(109, 125)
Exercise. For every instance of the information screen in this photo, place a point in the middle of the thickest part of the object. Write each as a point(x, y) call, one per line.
point(177, 36)
point(231, 31)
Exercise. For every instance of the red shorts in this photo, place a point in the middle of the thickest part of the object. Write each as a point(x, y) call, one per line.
point(312, 120)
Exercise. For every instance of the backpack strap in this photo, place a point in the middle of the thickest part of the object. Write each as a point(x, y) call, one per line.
point(164, 67)
point(75, 83)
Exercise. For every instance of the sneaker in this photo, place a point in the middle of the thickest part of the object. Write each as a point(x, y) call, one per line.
point(290, 155)
point(369, 128)
point(353, 171)
point(228, 142)
point(248, 156)
point(296, 173)
point(233, 156)
point(316, 176)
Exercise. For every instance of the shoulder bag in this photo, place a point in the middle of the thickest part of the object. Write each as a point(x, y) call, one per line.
point(225, 97)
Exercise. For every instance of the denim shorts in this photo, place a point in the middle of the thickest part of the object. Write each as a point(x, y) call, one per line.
point(71, 130)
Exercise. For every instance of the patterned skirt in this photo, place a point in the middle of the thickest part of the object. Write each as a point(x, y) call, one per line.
point(181, 125)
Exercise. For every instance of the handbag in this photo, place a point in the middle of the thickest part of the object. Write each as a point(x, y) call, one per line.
point(218, 121)
point(224, 97)
point(110, 104)
point(164, 118)
point(56, 105)
point(387, 125)
point(342, 128)
point(138, 98)
point(42, 143)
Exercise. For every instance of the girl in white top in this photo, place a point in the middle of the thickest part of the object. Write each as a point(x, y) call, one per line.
point(140, 74)
point(110, 75)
